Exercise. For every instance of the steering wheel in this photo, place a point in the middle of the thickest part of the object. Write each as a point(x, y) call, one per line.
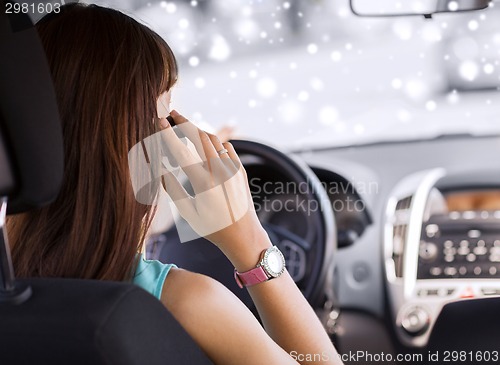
point(309, 256)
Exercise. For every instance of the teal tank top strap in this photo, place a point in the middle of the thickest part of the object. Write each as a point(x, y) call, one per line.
point(151, 274)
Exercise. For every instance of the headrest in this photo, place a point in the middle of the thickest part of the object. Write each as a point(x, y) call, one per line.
point(31, 145)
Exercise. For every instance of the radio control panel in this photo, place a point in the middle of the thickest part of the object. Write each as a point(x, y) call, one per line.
point(462, 245)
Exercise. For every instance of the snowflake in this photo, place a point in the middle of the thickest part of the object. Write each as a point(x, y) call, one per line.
point(488, 69)
point(336, 56)
point(199, 83)
point(303, 96)
point(453, 6)
point(328, 115)
point(266, 87)
point(473, 25)
point(220, 49)
point(194, 61)
point(397, 83)
point(312, 48)
point(431, 105)
point(468, 70)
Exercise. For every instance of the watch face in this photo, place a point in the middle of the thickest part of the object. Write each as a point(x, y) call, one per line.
point(274, 262)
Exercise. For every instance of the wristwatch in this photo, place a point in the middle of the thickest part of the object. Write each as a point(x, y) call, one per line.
point(271, 265)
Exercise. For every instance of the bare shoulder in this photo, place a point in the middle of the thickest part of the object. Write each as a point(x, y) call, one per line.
point(185, 292)
point(217, 320)
point(196, 299)
point(182, 285)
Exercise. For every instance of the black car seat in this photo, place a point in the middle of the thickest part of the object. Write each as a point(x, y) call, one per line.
point(62, 321)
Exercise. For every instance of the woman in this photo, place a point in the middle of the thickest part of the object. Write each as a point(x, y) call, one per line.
point(109, 73)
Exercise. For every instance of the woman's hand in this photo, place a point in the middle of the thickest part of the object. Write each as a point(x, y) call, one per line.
point(222, 211)
point(221, 208)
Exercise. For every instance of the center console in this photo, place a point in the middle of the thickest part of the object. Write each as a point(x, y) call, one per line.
point(435, 255)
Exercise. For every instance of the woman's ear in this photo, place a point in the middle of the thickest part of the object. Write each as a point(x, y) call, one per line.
point(163, 104)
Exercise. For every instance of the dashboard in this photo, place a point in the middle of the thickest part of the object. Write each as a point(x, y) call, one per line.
point(428, 233)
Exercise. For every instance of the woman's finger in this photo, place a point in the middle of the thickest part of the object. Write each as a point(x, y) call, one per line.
point(175, 146)
point(181, 199)
point(221, 165)
point(221, 150)
point(219, 170)
point(178, 118)
point(232, 154)
point(208, 146)
point(164, 123)
point(194, 133)
point(189, 161)
point(190, 131)
point(173, 187)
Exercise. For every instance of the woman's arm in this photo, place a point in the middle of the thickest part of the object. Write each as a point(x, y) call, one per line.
point(287, 317)
point(285, 313)
point(219, 322)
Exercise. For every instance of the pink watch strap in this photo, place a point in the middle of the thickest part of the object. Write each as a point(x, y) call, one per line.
point(251, 277)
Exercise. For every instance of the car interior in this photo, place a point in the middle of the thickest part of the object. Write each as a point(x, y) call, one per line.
point(394, 242)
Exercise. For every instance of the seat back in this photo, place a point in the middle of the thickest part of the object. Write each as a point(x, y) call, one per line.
point(29, 119)
point(62, 321)
point(70, 321)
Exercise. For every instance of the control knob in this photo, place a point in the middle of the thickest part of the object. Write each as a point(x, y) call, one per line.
point(428, 251)
point(415, 321)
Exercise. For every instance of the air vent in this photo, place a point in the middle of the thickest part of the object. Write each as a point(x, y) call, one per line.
point(400, 229)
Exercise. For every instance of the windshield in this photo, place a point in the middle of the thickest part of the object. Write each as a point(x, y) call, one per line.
point(308, 73)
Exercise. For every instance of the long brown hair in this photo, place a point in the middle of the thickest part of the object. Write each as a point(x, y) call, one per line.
point(108, 71)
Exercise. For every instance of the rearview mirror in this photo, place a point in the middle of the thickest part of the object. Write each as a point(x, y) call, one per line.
point(387, 8)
